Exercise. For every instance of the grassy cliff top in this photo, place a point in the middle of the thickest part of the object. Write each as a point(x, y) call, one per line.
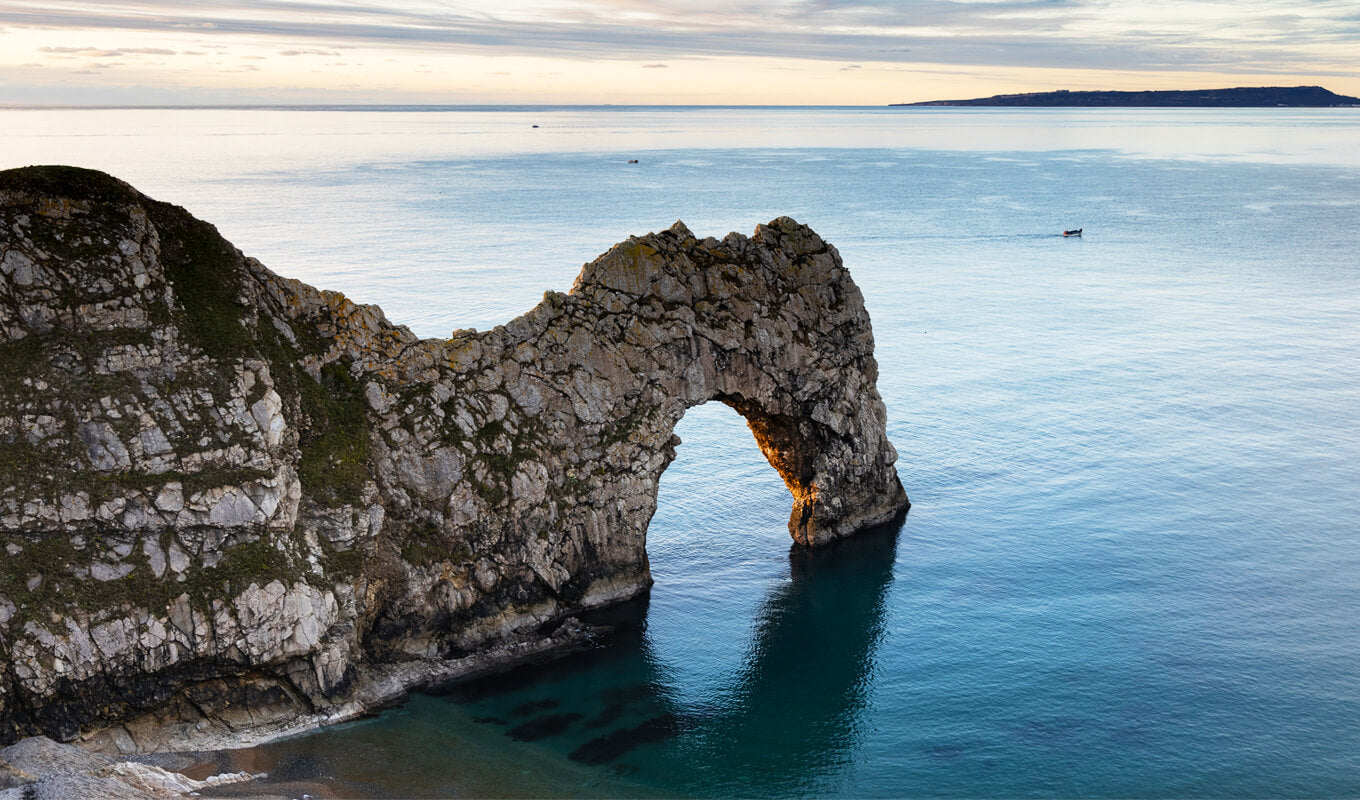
point(76, 183)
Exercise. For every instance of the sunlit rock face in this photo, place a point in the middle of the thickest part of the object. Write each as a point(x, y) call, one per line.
point(227, 495)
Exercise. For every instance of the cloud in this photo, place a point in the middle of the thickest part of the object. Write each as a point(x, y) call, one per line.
point(656, 66)
point(87, 52)
point(95, 52)
point(851, 67)
point(308, 53)
point(1250, 35)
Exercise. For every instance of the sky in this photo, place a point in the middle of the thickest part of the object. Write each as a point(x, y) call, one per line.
point(757, 52)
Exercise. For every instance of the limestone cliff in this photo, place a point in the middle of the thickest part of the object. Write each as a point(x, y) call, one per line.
point(227, 495)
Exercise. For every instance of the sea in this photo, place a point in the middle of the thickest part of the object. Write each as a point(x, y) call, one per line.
point(1132, 564)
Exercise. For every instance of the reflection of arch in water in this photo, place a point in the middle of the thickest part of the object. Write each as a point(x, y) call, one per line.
point(789, 719)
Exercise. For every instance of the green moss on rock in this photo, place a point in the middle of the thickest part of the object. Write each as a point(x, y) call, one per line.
point(341, 564)
point(56, 558)
point(19, 360)
point(206, 274)
point(425, 545)
point(335, 440)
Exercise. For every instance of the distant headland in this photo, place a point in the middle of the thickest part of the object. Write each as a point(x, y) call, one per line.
point(1241, 97)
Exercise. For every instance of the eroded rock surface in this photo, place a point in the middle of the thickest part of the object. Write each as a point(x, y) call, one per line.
point(41, 769)
point(227, 495)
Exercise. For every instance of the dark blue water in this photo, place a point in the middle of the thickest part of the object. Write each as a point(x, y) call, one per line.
point(1132, 566)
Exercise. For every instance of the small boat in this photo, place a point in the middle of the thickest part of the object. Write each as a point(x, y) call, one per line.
point(1076, 232)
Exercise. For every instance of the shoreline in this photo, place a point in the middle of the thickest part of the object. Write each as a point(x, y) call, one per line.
point(379, 686)
point(207, 756)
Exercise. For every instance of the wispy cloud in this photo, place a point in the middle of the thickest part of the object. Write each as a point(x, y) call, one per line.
point(96, 52)
point(1105, 34)
point(87, 52)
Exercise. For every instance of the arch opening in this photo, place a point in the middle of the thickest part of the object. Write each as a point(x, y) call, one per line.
point(716, 546)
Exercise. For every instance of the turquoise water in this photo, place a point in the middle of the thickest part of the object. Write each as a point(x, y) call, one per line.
point(1130, 568)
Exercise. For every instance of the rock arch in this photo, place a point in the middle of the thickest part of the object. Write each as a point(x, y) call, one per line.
point(594, 382)
point(779, 333)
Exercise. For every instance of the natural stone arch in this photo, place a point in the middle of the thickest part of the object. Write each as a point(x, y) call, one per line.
point(594, 382)
point(778, 331)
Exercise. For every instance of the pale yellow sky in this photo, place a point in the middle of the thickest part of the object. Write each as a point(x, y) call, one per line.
point(763, 52)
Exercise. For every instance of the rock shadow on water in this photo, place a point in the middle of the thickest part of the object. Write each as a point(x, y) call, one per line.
point(611, 714)
point(535, 706)
point(542, 727)
point(614, 745)
point(490, 721)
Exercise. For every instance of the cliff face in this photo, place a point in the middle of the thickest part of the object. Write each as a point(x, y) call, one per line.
point(226, 495)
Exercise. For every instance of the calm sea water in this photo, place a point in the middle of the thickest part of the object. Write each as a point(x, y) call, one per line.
point(1132, 566)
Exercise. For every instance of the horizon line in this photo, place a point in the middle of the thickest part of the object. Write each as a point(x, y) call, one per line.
point(308, 106)
point(928, 105)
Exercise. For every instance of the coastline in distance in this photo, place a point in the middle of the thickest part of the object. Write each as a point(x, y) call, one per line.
point(1240, 97)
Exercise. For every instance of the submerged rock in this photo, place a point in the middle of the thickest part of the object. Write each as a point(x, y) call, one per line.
point(229, 499)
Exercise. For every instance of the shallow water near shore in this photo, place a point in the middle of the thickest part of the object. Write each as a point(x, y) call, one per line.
point(1134, 457)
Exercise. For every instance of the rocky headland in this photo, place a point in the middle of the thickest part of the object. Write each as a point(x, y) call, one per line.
point(233, 505)
point(1239, 97)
